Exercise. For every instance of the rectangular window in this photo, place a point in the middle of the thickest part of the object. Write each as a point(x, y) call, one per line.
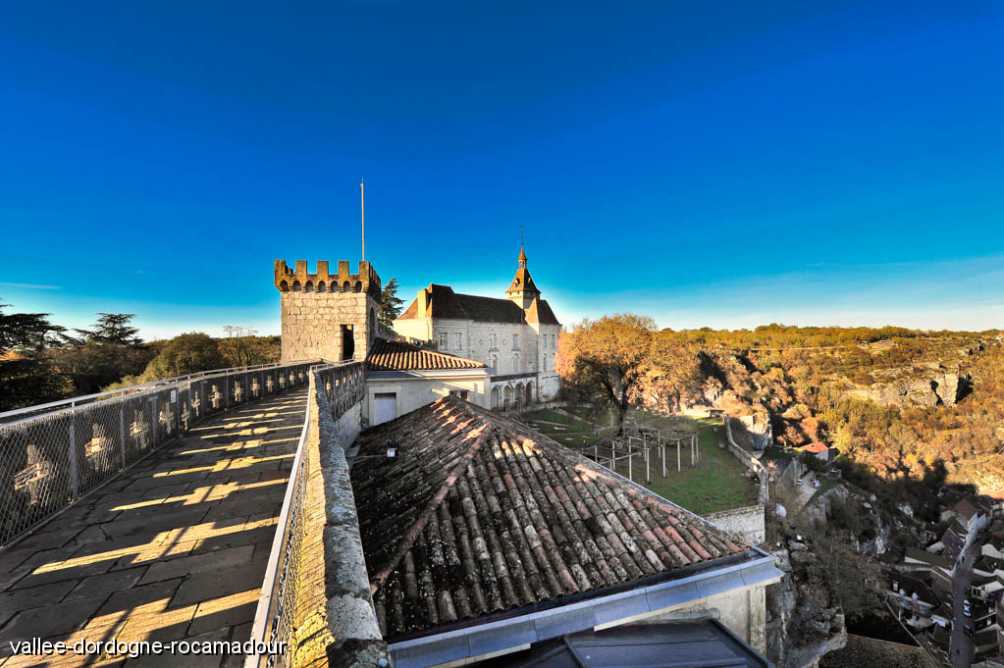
point(443, 341)
point(515, 341)
point(460, 341)
point(459, 393)
point(491, 340)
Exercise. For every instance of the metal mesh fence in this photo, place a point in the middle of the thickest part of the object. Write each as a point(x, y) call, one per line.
point(344, 386)
point(50, 458)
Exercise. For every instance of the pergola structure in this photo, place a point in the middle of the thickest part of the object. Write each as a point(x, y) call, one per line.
point(647, 443)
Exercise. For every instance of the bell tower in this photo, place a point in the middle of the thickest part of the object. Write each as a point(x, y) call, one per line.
point(522, 290)
point(324, 315)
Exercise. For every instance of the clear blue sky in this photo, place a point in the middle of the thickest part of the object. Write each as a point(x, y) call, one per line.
point(726, 166)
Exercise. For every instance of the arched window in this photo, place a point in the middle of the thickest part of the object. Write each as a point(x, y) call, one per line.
point(296, 286)
point(308, 286)
point(320, 286)
point(346, 287)
point(515, 362)
point(359, 286)
point(283, 286)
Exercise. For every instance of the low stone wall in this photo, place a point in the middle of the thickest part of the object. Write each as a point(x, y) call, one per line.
point(335, 621)
point(749, 523)
point(316, 596)
point(749, 461)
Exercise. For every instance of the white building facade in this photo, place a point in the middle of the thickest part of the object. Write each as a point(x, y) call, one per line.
point(516, 337)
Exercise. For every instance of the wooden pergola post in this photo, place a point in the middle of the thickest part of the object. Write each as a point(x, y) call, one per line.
point(630, 461)
point(648, 475)
point(679, 446)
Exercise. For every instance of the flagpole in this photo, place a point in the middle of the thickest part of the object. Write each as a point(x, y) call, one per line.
point(362, 202)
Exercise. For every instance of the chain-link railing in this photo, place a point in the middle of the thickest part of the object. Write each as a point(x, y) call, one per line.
point(288, 583)
point(52, 455)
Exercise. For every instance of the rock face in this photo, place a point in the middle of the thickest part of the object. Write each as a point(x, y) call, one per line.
point(935, 388)
point(803, 622)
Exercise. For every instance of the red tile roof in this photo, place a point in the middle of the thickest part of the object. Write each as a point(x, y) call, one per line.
point(444, 303)
point(478, 516)
point(815, 448)
point(401, 356)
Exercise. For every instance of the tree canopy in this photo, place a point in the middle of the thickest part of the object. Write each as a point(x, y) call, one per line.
point(186, 353)
point(390, 304)
point(607, 354)
point(26, 376)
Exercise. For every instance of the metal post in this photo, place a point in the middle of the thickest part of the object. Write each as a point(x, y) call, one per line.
point(691, 450)
point(74, 460)
point(679, 445)
point(662, 447)
point(153, 421)
point(122, 432)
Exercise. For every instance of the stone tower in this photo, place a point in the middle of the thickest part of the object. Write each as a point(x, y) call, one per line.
point(324, 315)
point(522, 290)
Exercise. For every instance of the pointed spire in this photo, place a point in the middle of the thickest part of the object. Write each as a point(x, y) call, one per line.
point(522, 289)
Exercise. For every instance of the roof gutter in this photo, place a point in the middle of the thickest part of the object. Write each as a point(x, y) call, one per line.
point(505, 635)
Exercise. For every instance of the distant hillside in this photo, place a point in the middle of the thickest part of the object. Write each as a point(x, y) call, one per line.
point(894, 400)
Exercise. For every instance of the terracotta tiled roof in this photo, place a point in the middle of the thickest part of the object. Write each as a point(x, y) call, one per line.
point(815, 448)
point(400, 356)
point(443, 302)
point(477, 516)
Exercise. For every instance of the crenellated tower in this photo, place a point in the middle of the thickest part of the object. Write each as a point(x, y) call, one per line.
point(325, 315)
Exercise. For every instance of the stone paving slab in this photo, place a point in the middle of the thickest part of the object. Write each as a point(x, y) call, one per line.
point(175, 549)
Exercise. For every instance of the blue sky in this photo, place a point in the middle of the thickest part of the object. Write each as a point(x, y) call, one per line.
point(724, 166)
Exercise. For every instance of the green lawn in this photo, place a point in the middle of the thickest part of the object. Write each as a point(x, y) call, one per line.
point(715, 483)
point(566, 430)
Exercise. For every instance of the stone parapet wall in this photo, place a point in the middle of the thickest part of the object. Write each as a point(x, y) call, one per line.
point(317, 592)
point(748, 523)
point(749, 461)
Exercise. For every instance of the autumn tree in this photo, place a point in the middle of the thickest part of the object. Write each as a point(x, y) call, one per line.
point(671, 371)
point(607, 356)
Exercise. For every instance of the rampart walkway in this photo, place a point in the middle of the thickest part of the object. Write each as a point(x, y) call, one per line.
point(174, 549)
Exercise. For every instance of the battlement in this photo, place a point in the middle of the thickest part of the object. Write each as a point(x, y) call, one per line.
point(300, 280)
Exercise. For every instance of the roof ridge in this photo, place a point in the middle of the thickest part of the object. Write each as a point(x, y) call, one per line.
point(610, 478)
point(452, 477)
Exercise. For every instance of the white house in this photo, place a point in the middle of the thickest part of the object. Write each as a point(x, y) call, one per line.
point(516, 337)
